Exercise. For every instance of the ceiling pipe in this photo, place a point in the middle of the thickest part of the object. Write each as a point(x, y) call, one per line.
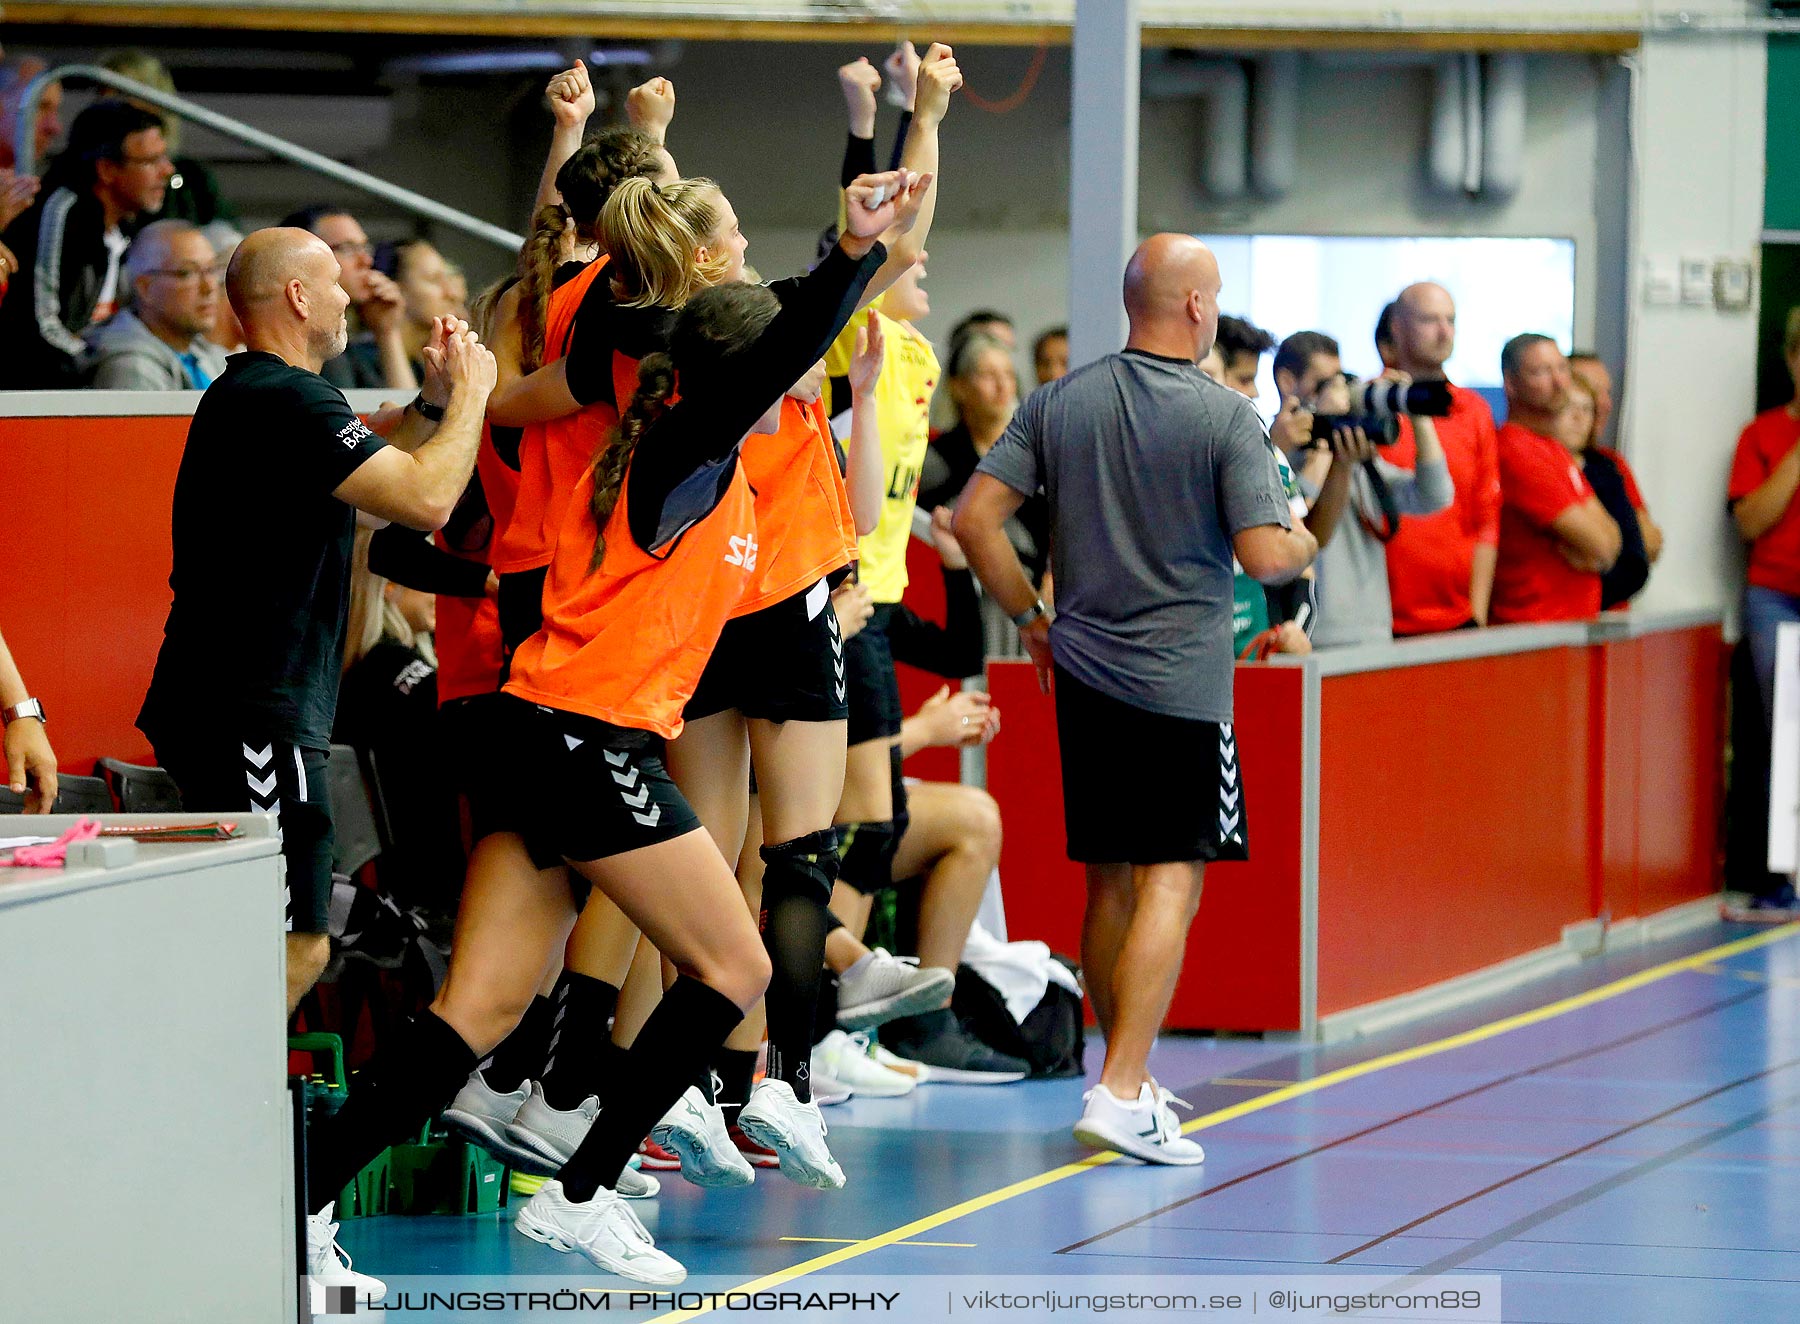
point(1447, 151)
point(1275, 124)
point(1222, 87)
point(1503, 119)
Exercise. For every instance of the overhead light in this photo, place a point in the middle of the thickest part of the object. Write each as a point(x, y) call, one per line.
point(513, 59)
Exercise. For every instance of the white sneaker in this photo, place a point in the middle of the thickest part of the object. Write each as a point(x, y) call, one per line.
point(695, 1131)
point(918, 1071)
point(1145, 1128)
point(481, 1114)
point(327, 1266)
point(828, 1091)
point(548, 1135)
point(845, 1057)
point(604, 1229)
point(889, 986)
point(776, 1120)
point(636, 1185)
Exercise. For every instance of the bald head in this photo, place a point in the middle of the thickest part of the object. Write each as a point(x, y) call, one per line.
point(283, 285)
point(1424, 329)
point(1172, 295)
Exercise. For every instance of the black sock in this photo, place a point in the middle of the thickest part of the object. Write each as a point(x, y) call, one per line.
point(390, 1098)
point(575, 1065)
point(682, 1034)
point(522, 1052)
point(796, 886)
point(736, 1068)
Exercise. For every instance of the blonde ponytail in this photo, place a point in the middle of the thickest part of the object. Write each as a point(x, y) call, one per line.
point(654, 234)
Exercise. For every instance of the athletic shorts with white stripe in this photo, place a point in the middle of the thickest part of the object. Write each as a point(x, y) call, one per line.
point(783, 663)
point(233, 774)
point(1146, 788)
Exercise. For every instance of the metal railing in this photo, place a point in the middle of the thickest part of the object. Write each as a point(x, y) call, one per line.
point(24, 148)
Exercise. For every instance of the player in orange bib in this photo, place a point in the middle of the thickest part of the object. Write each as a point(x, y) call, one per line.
point(552, 453)
point(774, 688)
point(648, 568)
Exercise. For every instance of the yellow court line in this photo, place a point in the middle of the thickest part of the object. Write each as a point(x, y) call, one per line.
point(1250, 1081)
point(1549, 1011)
point(857, 1241)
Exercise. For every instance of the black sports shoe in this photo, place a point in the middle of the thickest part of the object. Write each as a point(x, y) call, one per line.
point(953, 1056)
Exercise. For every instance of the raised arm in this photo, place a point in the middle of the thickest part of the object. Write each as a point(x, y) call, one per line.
point(571, 98)
point(859, 81)
point(938, 77)
point(867, 476)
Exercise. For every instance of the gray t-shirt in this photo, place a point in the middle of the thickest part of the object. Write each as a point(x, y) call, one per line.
point(1150, 467)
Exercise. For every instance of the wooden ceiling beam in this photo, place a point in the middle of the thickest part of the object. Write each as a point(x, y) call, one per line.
point(305, 18)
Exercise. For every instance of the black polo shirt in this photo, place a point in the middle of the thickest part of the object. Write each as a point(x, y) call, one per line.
point(262, 549)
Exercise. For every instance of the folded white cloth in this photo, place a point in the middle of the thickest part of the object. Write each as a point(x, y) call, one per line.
point(1020, 971)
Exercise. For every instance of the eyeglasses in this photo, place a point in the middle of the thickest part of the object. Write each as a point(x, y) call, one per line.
point(161, 159)
point(187, 275)
point(362, 248)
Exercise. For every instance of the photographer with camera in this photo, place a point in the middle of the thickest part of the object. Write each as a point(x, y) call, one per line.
point(1358, 496)
point(1441, 567)
point(1556, 539)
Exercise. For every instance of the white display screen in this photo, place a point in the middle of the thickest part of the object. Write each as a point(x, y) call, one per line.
point(1339, 284)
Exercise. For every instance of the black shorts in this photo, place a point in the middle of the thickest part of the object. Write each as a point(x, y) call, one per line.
point(469, 732)
point(874, 688)
point(1145, 788)
point(784, 663)
point(580, 789)
point(228, 773)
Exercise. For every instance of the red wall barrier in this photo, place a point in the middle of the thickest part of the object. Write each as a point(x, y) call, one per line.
point(1242, 970)
point(84, 571)
point(1453, 819)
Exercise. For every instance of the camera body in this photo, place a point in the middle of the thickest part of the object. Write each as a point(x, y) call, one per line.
point(1376, 407)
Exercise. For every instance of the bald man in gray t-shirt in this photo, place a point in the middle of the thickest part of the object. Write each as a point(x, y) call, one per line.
point(1155, 477)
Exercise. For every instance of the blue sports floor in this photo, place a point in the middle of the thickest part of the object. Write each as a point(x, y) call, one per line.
point(1621, 1143)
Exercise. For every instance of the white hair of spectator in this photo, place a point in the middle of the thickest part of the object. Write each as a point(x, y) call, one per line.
point(149, 251)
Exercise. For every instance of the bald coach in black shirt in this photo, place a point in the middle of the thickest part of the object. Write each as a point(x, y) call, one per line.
point(241, 704)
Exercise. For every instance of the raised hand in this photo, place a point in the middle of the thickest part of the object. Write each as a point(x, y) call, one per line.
point(875, 203)
point(865, 363)
point(650, 106)
point(938, 76)
point(903, 74)
point(860, 81)
point(571, 97)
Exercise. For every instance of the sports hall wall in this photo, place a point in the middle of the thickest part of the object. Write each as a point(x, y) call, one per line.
point(766, 119)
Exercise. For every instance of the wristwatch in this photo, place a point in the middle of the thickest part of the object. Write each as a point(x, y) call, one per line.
point(426, 409)
point(1030, 614)
point(24, 708)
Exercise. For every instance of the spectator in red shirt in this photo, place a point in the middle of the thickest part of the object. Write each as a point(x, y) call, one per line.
point(1556, 539)
point(1764, 477)
point(1441, 567)
point(1588, 367)
point(1577, 429)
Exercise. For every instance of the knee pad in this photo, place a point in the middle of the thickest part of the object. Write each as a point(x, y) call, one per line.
point(806, 866)
point(868, 855)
